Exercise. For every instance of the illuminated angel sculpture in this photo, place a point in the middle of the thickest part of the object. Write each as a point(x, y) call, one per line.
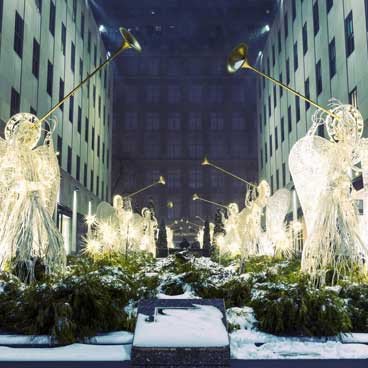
point(150, 225)
point(232, 241)
point(276, 239)
point(29, 183)
point(170, 237)
point(250, 219)
point(321, 171)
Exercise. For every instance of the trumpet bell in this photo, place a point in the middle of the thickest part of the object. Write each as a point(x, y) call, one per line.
point(205, 162)
point(195, 196)
point(238, 58)
point(129, 40)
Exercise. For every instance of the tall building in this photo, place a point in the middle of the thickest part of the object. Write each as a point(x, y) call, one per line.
point(318, 48)
point(48, 47)
point(177, 104)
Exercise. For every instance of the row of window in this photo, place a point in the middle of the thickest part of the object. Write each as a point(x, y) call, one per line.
point(174, 121)
point(82, 178)
point(349, 47)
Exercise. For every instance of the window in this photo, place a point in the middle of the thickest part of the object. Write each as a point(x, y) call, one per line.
point(89, 42)
point(260, 123)
point(79, 119)
point(95, 55)
point(305, 38)
point(14, 102)
point(52, 18)
point(195, 121)
point(290, 122)
point(36, 58)
point(82, 26)
point(265, 151)
point(297, 108)
point(217, 180)
point(69, 162)
point(80, 69)
point(72, 57)
point(268, 66)
point(77, 176)
point(264, 115)
point(93, 139)
point(279, 40)
point(38, 4)
point(287, 71)
point(273, 55)
point(59, 149)
point(92, 180)
point(276, 139)
point(286, 25)
point(99, 106)
point(329, 4)
point(195, 94)
point(174, 94)
point(153, 94)
point(173, 121)
point(86, 130)
point(283, 174)
point(216, 121)
point(274, 96)
point(281, 89)
point(1, 15)
point(152, 121)
point(131, 120)
point(216, 94)
point(61, 92)
point(315, 17)
point(108, 159)
point(282, 125)
point(50, 78)
point(293, 7)
point(98, 145)
point(173, 178)
point(71, 109)
point(18, 34)
point(271, 184)
point(94, 95)
point(353, 97)
point(296, 56)
point(332, 57)
point(63, 37)
point(74, 9)
point(318, 78)
point(269, 105)
point(307, 93)
point(349, 34)
point(85, 175)
point(261, 159)
point(195, 178)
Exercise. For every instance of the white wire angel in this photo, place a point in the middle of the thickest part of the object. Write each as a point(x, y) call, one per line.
point(321, 171)
point(149, 230)
point(232, 240)
point(29, 183)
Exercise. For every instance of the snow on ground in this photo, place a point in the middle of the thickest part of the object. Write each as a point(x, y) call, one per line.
point(298, 350)
point(113, 338)
point(198, 327)
point(74, 352)
point(186, 295)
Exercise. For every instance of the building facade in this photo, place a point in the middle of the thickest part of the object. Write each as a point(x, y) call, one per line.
point(177, 104)
point(47, 47)
point(318, 48)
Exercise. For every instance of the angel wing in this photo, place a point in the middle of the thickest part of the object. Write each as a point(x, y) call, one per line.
point(48, 172)
point(311, 164)
point(276, 209)
point(107, 213)
point(7, 169)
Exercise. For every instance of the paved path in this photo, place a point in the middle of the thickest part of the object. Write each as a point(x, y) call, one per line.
point(234, 364)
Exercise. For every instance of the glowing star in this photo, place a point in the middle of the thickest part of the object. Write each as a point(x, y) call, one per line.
point(320, 169)
point(29, 183)
point(90, 220)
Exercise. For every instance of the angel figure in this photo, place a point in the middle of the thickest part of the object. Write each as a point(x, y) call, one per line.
point(29, 183)
point(232, 237)
point(321, 171)
point(250, 219)
point(276, 239)
point(149, 230)
point(170, 237)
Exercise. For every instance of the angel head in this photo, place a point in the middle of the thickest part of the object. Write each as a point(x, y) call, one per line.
point(146, 213)
point(117, 202)
point(264, 193)
point(233, 209)
point(23, 129)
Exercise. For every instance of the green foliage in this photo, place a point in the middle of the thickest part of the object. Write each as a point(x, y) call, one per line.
point(298, 309)
point(356, 296)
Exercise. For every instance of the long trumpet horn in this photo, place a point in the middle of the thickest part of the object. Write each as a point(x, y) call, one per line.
point(161, 181)
point(196, 197)
point(129, 42)
point(238, 59)
point(207, 162)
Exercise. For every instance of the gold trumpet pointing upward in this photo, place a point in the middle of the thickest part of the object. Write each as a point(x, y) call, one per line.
point(197, 197)
point(129, 42)
point(238, 59)
point(206, 162)
point(161, 181)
